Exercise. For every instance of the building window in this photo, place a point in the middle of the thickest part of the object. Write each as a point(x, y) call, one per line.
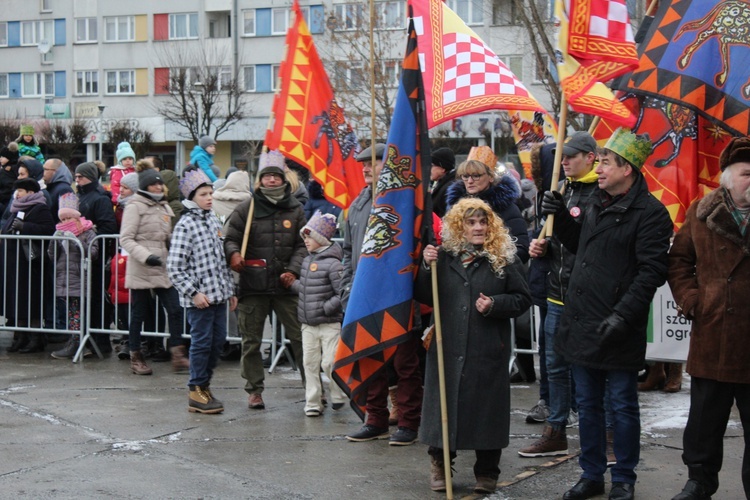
point(248, 17)
point(87, 82)
point(391, 73)
point(468, 10)
point(33, 32)
point(223, 76)
point(86, 30)
point(46, 5)
point(540, 69)
point(275, 70)
point(119, 29)
point(183, 26)
point(121, 82)
point(182, 78)
point(514, 64)
point(391, 15)
point(279, 19)
point(349, 75)
point(38, 84)
point(249, 77)
point(4, 85)
point(3, 34)
point(349, 16)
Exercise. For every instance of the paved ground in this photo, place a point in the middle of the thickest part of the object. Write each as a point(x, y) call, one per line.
point(94, 430)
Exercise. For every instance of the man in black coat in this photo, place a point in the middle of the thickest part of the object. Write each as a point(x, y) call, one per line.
point(621, 244)
point(442, 173)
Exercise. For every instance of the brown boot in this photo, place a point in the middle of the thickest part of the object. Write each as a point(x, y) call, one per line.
point(201, 400)
point(138, 364)
point(553, 443)
point(655, 379)
point(180, 360)
point(393, 417)
point(437, 474)
point(674, 379)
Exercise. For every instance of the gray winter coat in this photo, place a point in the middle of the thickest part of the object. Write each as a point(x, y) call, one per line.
point(476, 349)
point(68, 272)
point(354, 235)
point(319, 286)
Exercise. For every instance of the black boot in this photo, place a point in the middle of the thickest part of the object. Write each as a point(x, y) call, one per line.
point(36, 344)
point(20, 341)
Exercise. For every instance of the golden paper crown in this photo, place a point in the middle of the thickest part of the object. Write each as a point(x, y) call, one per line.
point(634, 148)
point(483, 154)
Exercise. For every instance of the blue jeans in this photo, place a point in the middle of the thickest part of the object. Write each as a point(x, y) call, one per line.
point(208, 332)
point(590, 390)
point(543, 380)
point(558, 370)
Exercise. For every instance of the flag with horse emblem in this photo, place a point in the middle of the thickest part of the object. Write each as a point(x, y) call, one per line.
point(310, 127)
point(697, 54)
point(380, 311)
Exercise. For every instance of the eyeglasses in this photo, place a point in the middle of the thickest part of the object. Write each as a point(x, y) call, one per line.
point(474, 177)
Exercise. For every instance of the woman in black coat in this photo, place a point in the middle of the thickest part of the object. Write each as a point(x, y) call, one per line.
point(482, 285)
point(22, 264)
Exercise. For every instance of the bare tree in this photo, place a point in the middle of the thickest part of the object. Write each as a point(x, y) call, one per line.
point(130, 131)
point(346, 55)
point(64, 137)
point(204, 95)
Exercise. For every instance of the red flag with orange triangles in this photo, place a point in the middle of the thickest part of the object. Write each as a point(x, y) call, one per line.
point(309, 125)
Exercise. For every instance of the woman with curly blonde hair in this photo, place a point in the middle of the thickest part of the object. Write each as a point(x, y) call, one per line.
point(481, 286)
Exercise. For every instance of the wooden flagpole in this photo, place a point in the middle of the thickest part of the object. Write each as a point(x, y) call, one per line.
point(441, 379)
point(548, 225)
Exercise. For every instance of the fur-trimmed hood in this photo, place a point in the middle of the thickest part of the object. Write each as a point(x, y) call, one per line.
point(500, 195)
point(713, 210)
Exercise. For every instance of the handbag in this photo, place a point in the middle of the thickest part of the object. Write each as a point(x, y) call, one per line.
point(31, 249)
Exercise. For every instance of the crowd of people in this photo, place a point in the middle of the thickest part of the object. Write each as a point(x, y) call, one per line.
point(218, 256)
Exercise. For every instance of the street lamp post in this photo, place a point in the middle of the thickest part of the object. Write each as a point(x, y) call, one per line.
point(198, 91)
point(101, 112)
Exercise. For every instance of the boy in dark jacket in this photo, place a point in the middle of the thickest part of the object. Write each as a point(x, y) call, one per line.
point(319, 309)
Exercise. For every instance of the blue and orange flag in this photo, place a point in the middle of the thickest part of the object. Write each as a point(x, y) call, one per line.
point(697, 54)
point(310, 127)
point(380, 312)
point(684, 164)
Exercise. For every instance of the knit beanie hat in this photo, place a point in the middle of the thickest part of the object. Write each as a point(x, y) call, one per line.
point(149, 177)
point(191, 181)
point(206, 141)
point(124, 151)
point(130, 180)
point(28, 184)
point(27, 130)
point(10, 152)
point(444, 157)
point(272, 162)
point(738, 150)
point(320, 227)
point(88, 170)
point(68, 207)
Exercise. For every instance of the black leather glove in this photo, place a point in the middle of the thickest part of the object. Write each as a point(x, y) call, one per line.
point(612, 327)
point(552, 203)
point(17, 225)
point(153, 260)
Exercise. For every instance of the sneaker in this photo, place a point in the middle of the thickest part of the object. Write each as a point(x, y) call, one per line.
point(368, 433)
point(538, 413)
point(403, 437)
point(312, 412)
point(553, 443)
point(572, 418)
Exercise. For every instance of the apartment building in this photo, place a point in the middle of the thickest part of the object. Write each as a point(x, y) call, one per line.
point(104, 61)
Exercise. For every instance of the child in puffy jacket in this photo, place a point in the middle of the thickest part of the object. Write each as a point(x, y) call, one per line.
point(69, 277)
point(319, 309)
